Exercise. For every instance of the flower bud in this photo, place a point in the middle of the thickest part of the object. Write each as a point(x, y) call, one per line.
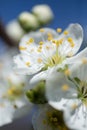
point(28, 21)
point(43, 13)
point(14, 30)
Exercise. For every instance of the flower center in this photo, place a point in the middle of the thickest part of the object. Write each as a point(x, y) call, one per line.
point(55, 120)
point(82, 92)
point(14, 91)
point(54, 60)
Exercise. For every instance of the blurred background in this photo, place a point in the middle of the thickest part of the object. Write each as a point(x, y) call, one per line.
point(65, 12)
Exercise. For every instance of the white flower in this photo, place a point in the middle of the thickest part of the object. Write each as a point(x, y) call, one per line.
point(13, 103)
point(45, 50)
point(28, 21)
point(14, 30)
point(73, 88)
point(43, 13)
point(47, 118)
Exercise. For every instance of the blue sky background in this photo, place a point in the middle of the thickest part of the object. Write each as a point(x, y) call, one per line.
point(65, 11)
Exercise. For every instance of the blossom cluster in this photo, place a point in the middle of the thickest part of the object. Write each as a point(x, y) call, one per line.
point(59, 76)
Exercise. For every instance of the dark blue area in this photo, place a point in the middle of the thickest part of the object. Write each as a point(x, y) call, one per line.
point(66, 11)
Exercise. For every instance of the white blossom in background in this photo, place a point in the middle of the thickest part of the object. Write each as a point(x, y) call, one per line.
point(48, 118)
point(43, 12)
point(45, 50)
point(13, 102)
point(69, 93)
point(28, 21)
point(14, 30)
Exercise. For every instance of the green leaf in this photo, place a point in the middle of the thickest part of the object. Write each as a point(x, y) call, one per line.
point(77, 80)
point(37, 94)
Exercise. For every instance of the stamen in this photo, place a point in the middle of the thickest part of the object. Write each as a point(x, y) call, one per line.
point(59, 30)
point(31, 40)
point(70, 40)
point(39, 50)
point(67, 72)
point(49, 35)
point(47, 47)
point(53, 41)
point(10, 91)
point(59, 42)
point(84, 60)
point(39, 60)
point(42, 30)
point(65, 87)
point(41, 42)
point(66, 32)
point(40, 46)
point(27, 63)
point(74, 106)
point(49, 38)
point(21, 48)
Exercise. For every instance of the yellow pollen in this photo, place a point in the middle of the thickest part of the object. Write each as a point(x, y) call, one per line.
point(65, 87)
point(59, 30)
point(39, 50)
point(74, 106)
point(10, 91)
point(54, 41)
point(41, 42)
point(31, 40)
point(40, 46)
point(27, 63)
point(47, 47)
point(49, 35)
point(39, 60)
point(59, 42)
point(21, 48)
point(84, 60)
point(41, 30)
point(49, 38)
point(72, 44)
point(67, 72)
point(70, 40)
point(66, 32)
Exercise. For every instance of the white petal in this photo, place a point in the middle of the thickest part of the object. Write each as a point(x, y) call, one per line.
point(77, 57)
point(6, 114)
point(40, 116)
point(59, 105)
point(79, 70)
point(76, 120)
point(54, 87)
point(75, 32)
point(39, 77)
point(21, 66)
point(48, 50)
point(37, 37)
